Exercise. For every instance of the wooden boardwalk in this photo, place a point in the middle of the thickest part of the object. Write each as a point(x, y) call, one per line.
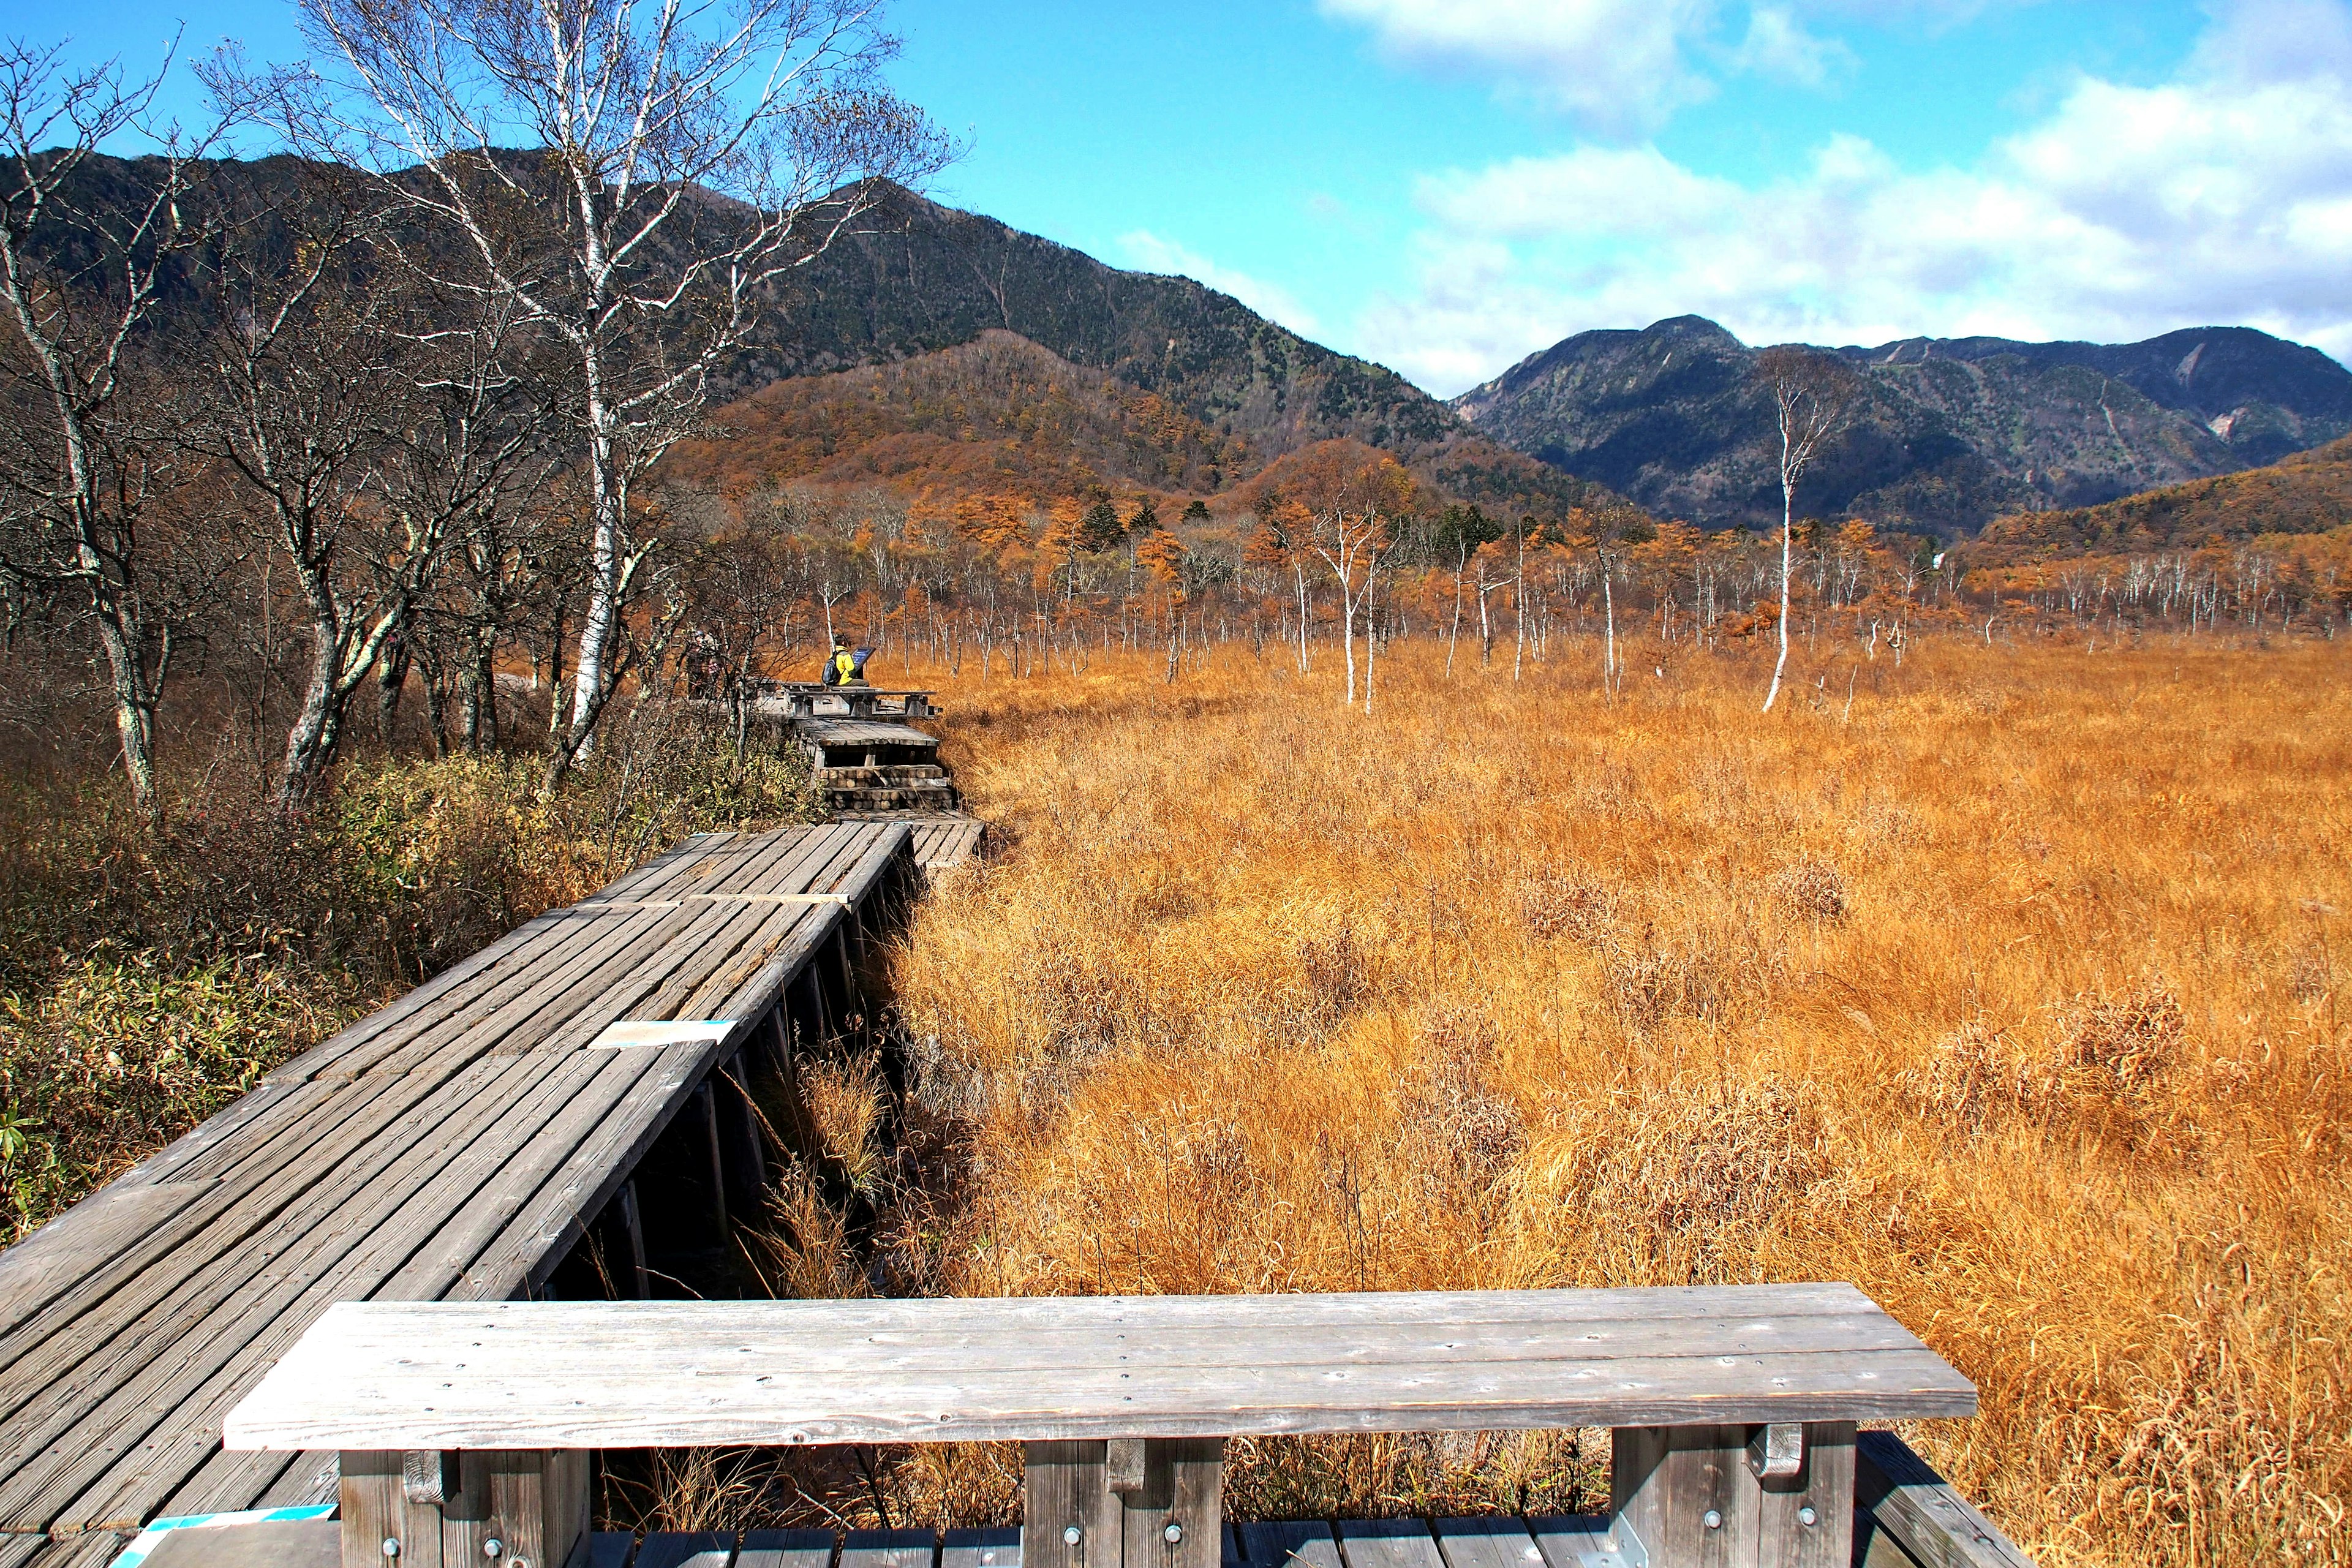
point(455, 1145)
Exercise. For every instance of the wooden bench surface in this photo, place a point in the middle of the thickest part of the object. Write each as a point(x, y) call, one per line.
point(521, 1375)
point(450, 1145)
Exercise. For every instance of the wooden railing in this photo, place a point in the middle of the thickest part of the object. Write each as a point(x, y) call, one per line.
point(1734, 1409)
point(809, 700)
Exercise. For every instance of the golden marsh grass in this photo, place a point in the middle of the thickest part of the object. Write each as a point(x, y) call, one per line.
point(2009, 993)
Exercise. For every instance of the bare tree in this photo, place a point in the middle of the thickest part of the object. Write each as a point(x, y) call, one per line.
point(81, 271)
point(1814, 397)
point(1354, 499)
point(686, 156)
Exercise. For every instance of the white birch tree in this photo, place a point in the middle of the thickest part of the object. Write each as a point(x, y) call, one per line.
point(681, 155)
point(1813, 398)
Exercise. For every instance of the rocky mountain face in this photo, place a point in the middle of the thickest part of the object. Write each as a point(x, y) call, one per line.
point(1950, 433)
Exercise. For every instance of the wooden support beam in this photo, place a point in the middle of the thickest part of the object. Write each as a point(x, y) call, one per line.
point(512, 1508)
point(709, 1163)
point(743, 1159)
point(1689, 1497)
point(836, 955)
point(1129, 1502)
point(1905, 1502)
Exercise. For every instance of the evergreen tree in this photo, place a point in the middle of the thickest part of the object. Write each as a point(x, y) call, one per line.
point(1146, 518)
point(1099, 529)
point(1196, 512)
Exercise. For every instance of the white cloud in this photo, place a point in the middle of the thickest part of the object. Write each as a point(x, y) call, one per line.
point(1623, 66)
point(1617, 63)
point(2223, 198)
point(1150, 252)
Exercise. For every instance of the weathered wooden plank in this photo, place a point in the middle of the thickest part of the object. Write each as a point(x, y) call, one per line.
point(999, 1548)
point(1578, 1540)
point(534, 1006)
point(1169, 1516)
point(156, 1312)
point(1486, 1543)
point(1069, 1518)
point(889, 1549)
point(91, 1549)
point(81, 1242)
point(573, 1404)
point(1300, 1543)
point(158, 1257)
point(705, 1549)
point(18, 1551)
point(180, 1278)
point(392, 1209)
point(444, 989)
point(214, 1356)
point(1387, 1544)
point(1900, 1496)
point(607, 1548)
point(989, 1335)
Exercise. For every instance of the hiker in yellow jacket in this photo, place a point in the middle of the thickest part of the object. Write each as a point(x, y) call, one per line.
point(845, 666)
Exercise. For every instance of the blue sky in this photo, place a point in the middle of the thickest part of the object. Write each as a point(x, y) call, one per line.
point(1448, 186)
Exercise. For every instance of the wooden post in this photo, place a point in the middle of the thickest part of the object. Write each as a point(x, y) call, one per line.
point(1130, 1503)
point(837, 950)
point(703, 1126)
point(1735, 1497)
point(511, 1508)
point(745, 1162)
point(621, 1243)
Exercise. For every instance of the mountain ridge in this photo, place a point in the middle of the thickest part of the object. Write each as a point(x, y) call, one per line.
point(1951, 433)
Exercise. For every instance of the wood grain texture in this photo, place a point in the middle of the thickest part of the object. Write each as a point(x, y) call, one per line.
point(1387, 1544)
point(998, 1547)
point(705, 1550)
point(1301, 1543)
point(1070, 1517)
point(889, 1549)
point(672, 1373)
point(1907, 1501)
point(805, 1549)
point(1578, 1541)
point(445, 1144)
point(1486, 1543)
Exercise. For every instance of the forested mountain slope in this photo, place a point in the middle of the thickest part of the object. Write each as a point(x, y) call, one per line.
point(2308, 493)
point(1951, 433)
point(1001, 418)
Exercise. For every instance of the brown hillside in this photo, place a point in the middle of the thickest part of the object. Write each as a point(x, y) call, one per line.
point(2310, 492)
point(1003, 418)
point(998, 416)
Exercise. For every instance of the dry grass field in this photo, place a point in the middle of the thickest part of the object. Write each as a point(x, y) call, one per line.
point(2011, 992)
